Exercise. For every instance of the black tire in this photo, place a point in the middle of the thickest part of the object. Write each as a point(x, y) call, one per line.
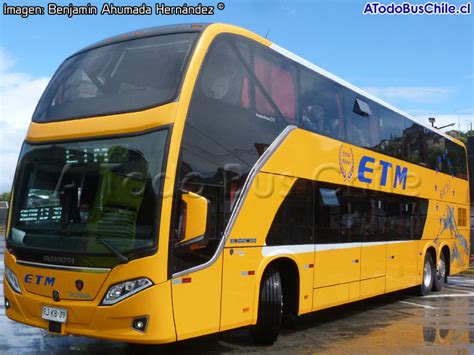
point(289, 319)
point(428, 271)
point(440, 275)
point(269, 309)
point(289, 316)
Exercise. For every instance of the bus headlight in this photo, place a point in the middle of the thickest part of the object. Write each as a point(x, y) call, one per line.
point(125, 289)
point(12, 280)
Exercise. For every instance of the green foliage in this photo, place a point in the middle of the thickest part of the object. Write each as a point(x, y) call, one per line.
point(5, 196)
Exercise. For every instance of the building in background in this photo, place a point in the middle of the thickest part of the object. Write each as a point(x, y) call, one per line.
point(3, 214)
point(470, 163)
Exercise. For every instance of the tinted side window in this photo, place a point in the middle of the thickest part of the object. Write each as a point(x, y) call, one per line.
point(293, 223)
point(405, 217)
point(223, 137)
point(278, 77)
point(435, 146)
point(378, 216)
point(355, 215)
point(419, 211)
point(361, 127)
point(393, 218)
point(413, 143)
point(346, 214)
point(327, 214)
point(405, 220)
point(320, 105)
point(457, 159)
point(391, 126)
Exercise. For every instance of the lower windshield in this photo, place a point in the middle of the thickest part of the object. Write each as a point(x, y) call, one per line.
point(95, 202)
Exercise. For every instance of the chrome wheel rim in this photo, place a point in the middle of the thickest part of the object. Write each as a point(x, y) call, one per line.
point(441, 269)
point(427, 274)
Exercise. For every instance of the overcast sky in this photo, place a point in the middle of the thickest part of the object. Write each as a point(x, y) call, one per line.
point(421, 64)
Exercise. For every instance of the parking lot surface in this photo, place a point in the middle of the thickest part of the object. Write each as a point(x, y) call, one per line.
point(442, 322)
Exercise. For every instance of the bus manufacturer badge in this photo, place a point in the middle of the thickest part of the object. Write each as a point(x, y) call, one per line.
point(346, 162)
point(56, 295)
point(79, 285)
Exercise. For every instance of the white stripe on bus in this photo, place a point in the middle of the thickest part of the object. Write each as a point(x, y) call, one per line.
point(308, 248)
point(287, 249)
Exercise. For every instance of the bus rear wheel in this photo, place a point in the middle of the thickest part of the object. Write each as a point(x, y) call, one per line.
point(269, 308)
point(428, 275)
point(440, 276)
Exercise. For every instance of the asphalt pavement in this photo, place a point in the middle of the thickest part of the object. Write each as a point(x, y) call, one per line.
point(442, 322)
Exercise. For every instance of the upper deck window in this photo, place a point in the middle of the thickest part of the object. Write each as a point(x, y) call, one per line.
point(121, 77)
point(278, 78)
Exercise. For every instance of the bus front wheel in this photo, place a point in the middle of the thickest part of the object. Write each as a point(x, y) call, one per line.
point(428, 275)
point(269, 308)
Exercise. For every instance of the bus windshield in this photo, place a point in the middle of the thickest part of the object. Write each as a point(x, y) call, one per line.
point(121, 77)
point(96, 201)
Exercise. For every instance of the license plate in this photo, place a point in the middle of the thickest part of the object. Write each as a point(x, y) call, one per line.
point(54, 314)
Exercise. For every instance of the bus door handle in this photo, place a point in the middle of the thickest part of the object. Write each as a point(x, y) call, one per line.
point(392, 257)
point(355, 261)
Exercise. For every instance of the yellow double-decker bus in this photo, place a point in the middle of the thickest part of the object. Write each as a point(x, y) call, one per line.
point(186, 180)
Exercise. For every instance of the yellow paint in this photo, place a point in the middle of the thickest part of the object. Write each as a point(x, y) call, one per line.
point(219, 297)
point(402, 263)
point(196, 217)
point(336, 266)
point(354, 291)
point(330, 296)
point(239, 289)
point(373, 261)
point(324, 166)
point(196, 304)
point(89, 318)
point(372, 287)
point(102, 126)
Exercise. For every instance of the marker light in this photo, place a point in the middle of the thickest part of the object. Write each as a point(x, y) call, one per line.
point(120, 291)
point(12, 280)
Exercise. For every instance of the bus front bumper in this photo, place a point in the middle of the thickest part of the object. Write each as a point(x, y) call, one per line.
point(113, 322)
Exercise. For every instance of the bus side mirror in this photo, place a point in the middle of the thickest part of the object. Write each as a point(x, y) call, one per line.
point(193, 219)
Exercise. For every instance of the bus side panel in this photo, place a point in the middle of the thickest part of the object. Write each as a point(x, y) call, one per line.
point(402, 265)
point(330, 296)
point(372, 287)
point(196, 301)
point(240, 283)
point(336, 276)
point(460, 232)
point(336, 266)
point(373, 269)
point(373, 261)
point(459, 253)
point(444, 223)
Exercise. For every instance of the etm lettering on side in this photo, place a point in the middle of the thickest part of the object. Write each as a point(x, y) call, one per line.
point(366, 172)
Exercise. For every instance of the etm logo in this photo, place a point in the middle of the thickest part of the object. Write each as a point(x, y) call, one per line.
point(366, 171)
point(39, 280)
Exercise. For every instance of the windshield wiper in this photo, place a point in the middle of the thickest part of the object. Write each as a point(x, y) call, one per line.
point(122, 258)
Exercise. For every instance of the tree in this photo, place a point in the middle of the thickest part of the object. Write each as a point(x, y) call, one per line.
point(5, 196)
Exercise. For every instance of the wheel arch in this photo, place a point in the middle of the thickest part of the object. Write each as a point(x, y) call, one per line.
point(287, 264)
point(446, 250)
point(431, 249)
